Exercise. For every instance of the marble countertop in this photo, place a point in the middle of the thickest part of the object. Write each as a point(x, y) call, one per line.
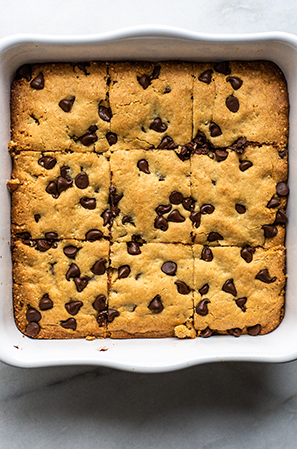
point(224, 405)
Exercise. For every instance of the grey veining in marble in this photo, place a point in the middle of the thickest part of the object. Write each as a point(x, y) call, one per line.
point(227, 405)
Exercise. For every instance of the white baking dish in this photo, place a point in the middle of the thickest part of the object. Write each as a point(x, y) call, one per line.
point(145, 355)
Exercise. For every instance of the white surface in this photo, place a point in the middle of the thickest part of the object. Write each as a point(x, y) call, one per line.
point(212, 406)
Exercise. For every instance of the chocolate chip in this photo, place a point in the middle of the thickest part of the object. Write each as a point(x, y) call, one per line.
point(167, 90)
point(221, 155)
point(161, 223)
point(72, 272)
point(236, 332)
point(207, 209)
point(156, 72)
point(240, 302)
point(244, 165)
point(63, 183)
point(247, 253)
point(254, 330)
point(235, 82)
point(124, 271)
point(240, 208)
point(223, 67)
point(81, 283)
point(270, 231)
point(64, 171)
point(37, 217)
point(88, 138)
point(184, 154)
point(38, 82)
point(33, 315)
point(282, 154)
point(99, 267)
point(105, 113)
point(127, 219)
point(206, 254)
point(206, 333)
point(188, 203)
point(264, 276)
point(69, 324)
point(70, 251)
point(176, 197)
point(93, 235)
point(43, 245)
point(158, 125)
point(202, 308)
point(100, 303)
point(213, 236)
point(88, 203)
point(215, 130)
point(161, 210)
point(232, 103)
point(169, 268)
point(204, 290)
point(73, 307)
point(205, 77)
point(229, 287)
point(112, 314)
point(282, 189)
point(52, 189)
point(101, 318)
point(82, 180)
point(47, 162)
point(32, 329)
point(167, 143)
point(66, 104)
point(107, 217)
point(112, 138)
point(24, 71)
point(175, 217)
point(143, 166)
point(45, 303)
point(133, 248)
point(182, 288)
point(195, 218)
point(156, 305)
point(144, 81)
point(51, 235)
point(281, 217)
point(239, 145)
point(274, 202)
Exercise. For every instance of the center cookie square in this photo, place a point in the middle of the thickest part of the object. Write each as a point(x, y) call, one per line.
point(154, 191)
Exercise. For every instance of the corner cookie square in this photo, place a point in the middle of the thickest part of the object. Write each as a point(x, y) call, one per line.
point(56, 290)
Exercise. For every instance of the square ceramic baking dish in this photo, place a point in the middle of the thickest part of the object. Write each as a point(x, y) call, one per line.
point(145, 355)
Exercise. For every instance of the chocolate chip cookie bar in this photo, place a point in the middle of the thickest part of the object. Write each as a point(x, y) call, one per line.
point(149, 198)
point(151, 289)
point(61, 288)
point(238, 290)
point(61, 193)
point(153, 189)
point(57, 107)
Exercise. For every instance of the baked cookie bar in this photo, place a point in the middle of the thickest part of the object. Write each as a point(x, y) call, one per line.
point(151, 289)
point(60, 288)
point(61, 193)
point(154, 191)
point(240, 198)
point(151, 104)
point(57, 107)
point(238, 290)
point(236, 99)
